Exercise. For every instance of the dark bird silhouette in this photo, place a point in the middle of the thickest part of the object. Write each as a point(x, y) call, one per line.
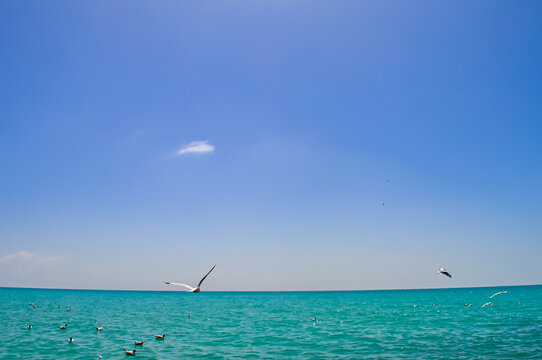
point(442, 271)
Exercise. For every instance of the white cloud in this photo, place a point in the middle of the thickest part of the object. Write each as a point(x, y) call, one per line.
point(196, 147)
point(25, 256)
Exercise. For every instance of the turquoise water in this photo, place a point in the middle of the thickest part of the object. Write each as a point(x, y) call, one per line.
point(428, 324)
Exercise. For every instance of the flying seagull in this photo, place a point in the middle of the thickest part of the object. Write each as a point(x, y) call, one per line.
point(190, 288)
point(442, 271)
point(500, 292)
point(488, 304)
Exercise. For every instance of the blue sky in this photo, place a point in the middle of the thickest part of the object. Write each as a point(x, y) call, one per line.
point(303, 110)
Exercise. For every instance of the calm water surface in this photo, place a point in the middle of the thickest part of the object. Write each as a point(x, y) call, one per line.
point(402, 324)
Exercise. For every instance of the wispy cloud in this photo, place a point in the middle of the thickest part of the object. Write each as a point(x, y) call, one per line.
point(27, 256)
point(196, 147)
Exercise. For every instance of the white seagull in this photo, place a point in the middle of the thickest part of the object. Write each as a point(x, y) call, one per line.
point(443, 271)
point(190, 288)
point(500, 292)
point(488, 304)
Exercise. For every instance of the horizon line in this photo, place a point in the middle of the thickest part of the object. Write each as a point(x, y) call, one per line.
point(268, 291)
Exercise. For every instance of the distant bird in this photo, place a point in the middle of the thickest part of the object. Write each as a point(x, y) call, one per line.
point(313, 319)
point(29, 326)
point(71, 340)
point(160, 337)
point(99, 328)
point(468, 304)
point(488, 304)
point(63, 327)
point(190, 288)
point(31, 304)
point(383, 204)
point(189, 315)
point(442, 271)
point(130, 352)
point(34, 306)
point(499, 293)
point(68, 309)
point(139, 342)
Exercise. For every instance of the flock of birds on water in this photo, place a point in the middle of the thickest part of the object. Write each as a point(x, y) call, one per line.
point(136, 342)
point(197, 289)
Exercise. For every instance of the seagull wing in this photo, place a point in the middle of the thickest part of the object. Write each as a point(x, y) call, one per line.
point(447, 274)
point(199, 284)
point(179, 284)
point(499, 293)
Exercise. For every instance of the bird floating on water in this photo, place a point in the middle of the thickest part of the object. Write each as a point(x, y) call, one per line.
point(99, 328)
point(130, 352)
point(139, 342)
point(499, 293)
point(190, 288)
point(160, 337)
point(71, 340)
point(63, 327)
point(29, 326)
point(443, 271)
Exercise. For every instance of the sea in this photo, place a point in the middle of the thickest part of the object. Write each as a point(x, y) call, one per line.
point(384, 324)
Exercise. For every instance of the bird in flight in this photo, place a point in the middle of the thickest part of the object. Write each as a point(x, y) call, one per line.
point(500, 292)
point(190, 288)
point(442, 271)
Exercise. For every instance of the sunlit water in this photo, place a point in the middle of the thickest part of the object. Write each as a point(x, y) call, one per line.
point(413, 324)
